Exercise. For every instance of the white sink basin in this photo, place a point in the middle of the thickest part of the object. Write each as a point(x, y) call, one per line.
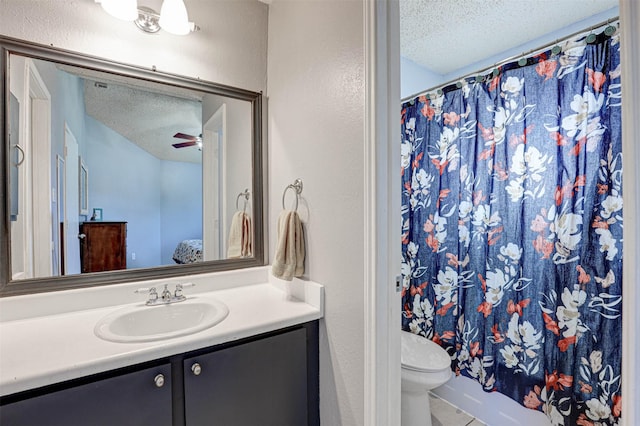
point(141, 323)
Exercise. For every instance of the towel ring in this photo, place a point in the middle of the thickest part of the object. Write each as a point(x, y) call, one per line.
point(246, 195)
point(297, 187)
point(21, 151)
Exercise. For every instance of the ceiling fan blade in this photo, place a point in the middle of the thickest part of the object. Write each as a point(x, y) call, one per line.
point(184, 144)
point(184, 136)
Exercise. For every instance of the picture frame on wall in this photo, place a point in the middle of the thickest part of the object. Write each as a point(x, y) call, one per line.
point(97, 214)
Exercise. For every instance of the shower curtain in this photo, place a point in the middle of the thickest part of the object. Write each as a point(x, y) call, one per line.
point(512, 229)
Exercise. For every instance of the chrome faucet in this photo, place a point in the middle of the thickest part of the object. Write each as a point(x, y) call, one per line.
point(166, 294)
point(166, 297)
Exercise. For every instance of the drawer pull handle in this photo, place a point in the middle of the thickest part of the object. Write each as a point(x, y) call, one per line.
point(159, 380)
point(196, 369)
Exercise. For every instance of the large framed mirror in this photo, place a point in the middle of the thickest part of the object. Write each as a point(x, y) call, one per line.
point(176, 173)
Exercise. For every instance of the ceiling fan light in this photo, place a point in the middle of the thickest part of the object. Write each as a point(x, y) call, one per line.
point(127, 10)
point(174, 18)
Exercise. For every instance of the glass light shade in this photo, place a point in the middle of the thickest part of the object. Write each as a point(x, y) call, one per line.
point(174, 18)
point(127, 10)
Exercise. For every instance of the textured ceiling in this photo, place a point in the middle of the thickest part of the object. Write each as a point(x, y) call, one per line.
point(146, 113)
point(447, 35)
point(148, 119)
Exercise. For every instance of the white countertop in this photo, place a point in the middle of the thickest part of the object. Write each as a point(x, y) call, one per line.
point(39, 350)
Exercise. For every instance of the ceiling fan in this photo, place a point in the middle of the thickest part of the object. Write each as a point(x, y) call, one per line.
point(191, 140)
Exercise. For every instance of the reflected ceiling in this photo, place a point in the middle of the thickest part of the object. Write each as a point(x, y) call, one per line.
point(147, 114)
point(147, 119)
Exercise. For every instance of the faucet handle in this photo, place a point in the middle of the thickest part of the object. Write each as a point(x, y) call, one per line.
point(153, 294)
point(179, 287)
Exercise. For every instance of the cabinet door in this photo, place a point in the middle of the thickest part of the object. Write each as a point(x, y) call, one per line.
point(104, 247)
point(263, 383)
point(134, 399)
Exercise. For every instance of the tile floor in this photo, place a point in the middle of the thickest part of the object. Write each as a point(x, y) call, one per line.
point(445, 414)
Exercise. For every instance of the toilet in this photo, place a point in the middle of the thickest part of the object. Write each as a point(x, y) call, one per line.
point(425, 365)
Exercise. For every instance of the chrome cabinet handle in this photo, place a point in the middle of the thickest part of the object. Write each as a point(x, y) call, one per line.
point(159, 380)
point(196, 369)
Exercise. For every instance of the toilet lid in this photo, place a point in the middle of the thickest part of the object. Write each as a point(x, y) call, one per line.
point(421, 354)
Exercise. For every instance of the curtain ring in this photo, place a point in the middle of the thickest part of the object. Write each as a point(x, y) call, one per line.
point(297, 187)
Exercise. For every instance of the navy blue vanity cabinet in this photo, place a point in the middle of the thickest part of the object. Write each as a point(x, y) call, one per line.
point(267, 382)
point(138, 398)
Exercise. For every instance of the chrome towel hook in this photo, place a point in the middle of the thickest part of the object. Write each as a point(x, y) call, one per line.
point(246, 194)
point(297, 187)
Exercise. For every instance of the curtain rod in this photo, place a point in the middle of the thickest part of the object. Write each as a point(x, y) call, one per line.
point(511, 58)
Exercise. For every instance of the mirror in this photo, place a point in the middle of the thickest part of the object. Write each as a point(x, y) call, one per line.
point(115, 173)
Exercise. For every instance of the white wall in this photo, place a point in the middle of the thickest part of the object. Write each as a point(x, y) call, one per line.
point(316, 133)
point(415, 78)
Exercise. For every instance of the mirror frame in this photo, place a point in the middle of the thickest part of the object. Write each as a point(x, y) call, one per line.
point(10, 287)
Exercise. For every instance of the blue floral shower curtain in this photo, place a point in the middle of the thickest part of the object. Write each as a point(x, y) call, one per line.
point(512, 229)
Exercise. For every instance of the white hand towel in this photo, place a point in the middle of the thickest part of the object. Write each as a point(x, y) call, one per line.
point(240, 236)
point(289, 257)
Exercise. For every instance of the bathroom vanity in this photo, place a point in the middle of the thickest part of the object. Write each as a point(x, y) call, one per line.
point(271, 379)
point(257, 366)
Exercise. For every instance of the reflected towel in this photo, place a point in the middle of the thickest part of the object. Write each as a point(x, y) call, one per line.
point(240, 236)
point(289, 257)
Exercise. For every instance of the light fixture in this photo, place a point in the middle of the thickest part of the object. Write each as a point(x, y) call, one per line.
point(127, 10)
point(147, 20)
point(173, 16)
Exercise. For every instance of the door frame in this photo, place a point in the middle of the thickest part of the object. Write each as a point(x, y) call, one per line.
point(32, 232)
point(630, 46)
point(71, 264)
point(40, 135)
point(382, 214)
point(382, 329)
point(214, 194)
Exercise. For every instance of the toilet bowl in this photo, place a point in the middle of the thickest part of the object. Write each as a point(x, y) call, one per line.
point(425, 365)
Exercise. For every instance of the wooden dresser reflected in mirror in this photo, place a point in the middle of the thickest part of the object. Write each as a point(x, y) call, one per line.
point(103, 246)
